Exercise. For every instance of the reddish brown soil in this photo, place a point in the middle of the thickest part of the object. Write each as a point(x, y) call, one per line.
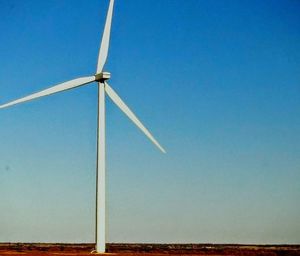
point(150, 249)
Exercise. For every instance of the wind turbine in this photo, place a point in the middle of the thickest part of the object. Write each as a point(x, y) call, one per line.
point(101, 78)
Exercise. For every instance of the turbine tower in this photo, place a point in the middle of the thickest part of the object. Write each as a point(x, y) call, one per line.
point(101, 78)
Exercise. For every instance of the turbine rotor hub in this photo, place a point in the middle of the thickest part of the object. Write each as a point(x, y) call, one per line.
point(101, 77)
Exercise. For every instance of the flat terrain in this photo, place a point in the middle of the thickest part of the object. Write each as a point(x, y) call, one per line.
point(150, 249)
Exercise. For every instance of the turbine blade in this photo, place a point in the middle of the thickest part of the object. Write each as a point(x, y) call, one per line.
point(54, 89)
point(120, 103)
point(105, 38)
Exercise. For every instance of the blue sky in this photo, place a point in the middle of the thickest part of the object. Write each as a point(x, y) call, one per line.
point(217, 83)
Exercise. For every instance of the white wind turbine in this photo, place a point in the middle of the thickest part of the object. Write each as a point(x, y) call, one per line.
point(101, 78)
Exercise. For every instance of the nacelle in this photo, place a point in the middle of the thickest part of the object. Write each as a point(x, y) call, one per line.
point(101, 77)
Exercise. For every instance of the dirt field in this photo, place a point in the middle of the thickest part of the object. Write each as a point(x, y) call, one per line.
point(150, 249)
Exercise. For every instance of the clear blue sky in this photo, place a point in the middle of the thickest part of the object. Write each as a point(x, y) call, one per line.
point(218, 84)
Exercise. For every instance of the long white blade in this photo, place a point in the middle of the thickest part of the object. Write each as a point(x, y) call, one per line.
point(57, 88)
point(105, 38)
point(120, 103)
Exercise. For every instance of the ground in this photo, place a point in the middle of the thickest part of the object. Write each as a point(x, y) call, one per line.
point(149, 249)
